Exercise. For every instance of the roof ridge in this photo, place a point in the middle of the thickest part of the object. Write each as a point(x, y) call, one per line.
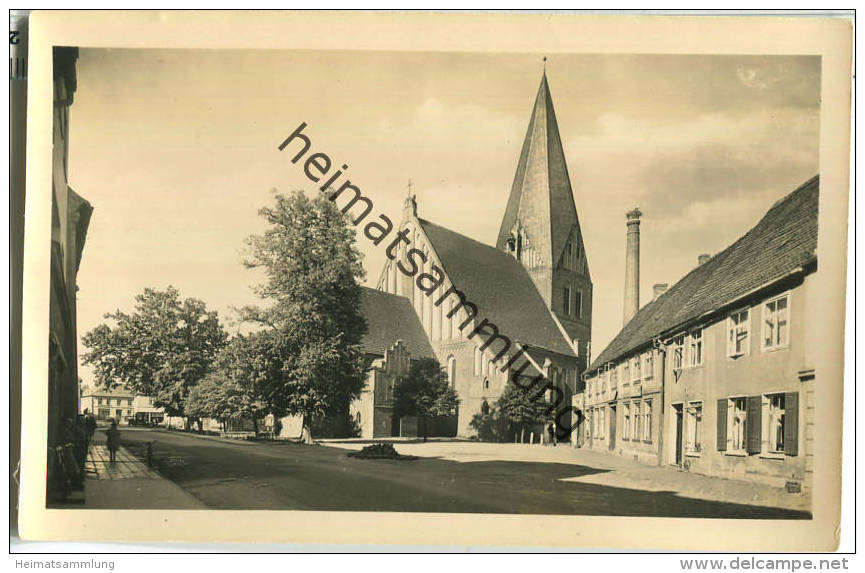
point(764, 253)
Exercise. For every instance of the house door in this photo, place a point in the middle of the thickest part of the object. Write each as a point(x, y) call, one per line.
point(612, 427)
point(679, 429)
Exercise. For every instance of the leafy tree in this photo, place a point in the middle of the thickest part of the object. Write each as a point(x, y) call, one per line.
point(424, 392)
point(313, 327)
point(491, 426)
point(523, 407)
point(162, 350)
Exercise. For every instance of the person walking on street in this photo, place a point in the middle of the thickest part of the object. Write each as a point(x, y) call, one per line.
point(89, 425)
point(113, 440)
point(551, 430)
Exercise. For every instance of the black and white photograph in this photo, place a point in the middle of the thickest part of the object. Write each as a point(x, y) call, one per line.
point(464, 282)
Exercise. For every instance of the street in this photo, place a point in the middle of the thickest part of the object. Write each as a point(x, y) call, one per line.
point(282, 475)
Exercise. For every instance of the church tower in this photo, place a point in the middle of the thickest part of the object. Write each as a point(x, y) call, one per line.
point(541, 228)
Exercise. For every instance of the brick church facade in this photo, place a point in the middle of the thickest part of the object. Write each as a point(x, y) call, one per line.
point(532, 282)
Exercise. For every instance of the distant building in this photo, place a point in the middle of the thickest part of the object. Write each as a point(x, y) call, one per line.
point(145, 413)
point(116, 404)
point(716, 375)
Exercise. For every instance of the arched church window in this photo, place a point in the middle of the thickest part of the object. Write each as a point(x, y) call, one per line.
point(452, 371)
point(519, 245)
point(357, 419)
point(486, 383)
point(477, 365)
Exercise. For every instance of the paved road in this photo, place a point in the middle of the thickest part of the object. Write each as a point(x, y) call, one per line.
point(246, 475)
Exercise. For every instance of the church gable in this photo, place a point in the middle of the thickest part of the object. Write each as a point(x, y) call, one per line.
point(573, 257)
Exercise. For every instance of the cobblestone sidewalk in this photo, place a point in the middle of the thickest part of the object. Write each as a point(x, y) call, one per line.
point(127, 483)
point(126, 465)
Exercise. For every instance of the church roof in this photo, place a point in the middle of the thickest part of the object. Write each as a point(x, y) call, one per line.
point(389, 318)
point(500, 287)
point(542, 187)
point(784, 240)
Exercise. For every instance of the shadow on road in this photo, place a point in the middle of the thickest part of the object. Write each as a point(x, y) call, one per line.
point(230, 476)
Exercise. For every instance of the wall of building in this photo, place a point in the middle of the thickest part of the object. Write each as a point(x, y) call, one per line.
point(758, 372)
point(609, 396)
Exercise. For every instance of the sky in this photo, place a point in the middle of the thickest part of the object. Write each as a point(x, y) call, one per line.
point(177, 151)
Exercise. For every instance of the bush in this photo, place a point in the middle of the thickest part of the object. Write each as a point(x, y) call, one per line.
point(492, 427)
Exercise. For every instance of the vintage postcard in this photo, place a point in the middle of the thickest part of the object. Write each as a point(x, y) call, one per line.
point(447, 279)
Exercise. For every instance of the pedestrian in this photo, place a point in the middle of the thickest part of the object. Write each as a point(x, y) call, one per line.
point(89, 424)
point(277, 427)
point(551, 430)
point(113, 440)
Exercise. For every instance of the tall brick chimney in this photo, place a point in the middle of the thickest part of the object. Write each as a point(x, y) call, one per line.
point(632, 266)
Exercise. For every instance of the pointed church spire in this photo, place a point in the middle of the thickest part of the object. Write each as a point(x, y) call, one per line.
point(541, 200)
point(541, 229)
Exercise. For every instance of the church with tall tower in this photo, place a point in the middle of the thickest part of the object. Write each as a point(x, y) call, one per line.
point(532, 282)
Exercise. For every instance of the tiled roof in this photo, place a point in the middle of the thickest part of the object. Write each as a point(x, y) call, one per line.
point(784, 240)
point(114, 393)
point(500, 287)
point(389, 318)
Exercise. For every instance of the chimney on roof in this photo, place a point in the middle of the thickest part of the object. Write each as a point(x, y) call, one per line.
point(659, 289)
point(632, 266)
point(703, 259)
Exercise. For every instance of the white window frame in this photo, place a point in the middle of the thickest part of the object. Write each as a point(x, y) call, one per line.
point(647, 423)
point(626, 421)
point(636, 368)
point(678, 345)
point(692, 448)
point(731, 418)
point(732, 330)
point(637, 421)
point(649, 366)
point(626, 372)
point(769, 416)
point(695, 342)
point(764, 312)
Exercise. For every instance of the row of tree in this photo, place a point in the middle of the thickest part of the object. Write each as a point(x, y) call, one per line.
point(302, 358)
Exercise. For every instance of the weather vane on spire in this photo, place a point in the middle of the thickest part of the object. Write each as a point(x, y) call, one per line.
point(545, 63)
point(409, 186)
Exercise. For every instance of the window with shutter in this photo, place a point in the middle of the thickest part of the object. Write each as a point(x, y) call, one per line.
point(722, 425)
point(791, 423)
point(755, 410)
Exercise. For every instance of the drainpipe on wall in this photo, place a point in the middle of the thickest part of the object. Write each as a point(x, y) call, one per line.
point(662, 351)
